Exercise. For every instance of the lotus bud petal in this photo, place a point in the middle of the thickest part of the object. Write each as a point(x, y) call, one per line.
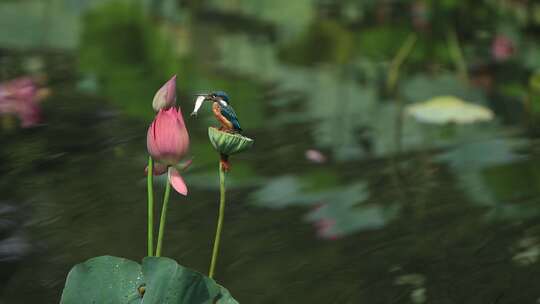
point(177, 181)
point(228, 143)
point(166, 96)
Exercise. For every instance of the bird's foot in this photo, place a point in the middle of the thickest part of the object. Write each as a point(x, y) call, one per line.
point(225, 165)
point(223, 129)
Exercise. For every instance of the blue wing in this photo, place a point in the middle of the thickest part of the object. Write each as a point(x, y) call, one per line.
point(228, 112)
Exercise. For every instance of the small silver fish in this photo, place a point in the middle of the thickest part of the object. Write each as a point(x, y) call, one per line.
point(198, 103)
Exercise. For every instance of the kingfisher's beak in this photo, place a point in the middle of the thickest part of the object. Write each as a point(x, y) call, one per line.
point(207, 96)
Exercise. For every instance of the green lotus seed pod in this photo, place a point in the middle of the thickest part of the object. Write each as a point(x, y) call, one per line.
point(228, 143)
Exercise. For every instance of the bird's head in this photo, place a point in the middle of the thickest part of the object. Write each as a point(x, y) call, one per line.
point(217, 96)
point(220, 96)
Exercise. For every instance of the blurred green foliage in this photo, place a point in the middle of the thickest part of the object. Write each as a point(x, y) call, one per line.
point(127, 53)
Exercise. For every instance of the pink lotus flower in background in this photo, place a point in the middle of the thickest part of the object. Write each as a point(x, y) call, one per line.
point(21, 97)
point(166, 96)
point(315, 156)
point(502, 48)
point(325, 227)
point(420, 15)
point(167, 141)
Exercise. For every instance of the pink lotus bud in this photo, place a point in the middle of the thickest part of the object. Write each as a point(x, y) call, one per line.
point(166, 96)
point(167, 141)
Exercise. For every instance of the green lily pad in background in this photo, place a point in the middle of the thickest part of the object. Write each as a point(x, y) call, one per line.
point(114, 280)
point(448, 109)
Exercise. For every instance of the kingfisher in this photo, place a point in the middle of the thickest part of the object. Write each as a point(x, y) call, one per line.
point(222, 109)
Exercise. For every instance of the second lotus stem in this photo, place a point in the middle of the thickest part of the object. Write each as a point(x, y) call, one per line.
point(163, 217)
point(457, 55)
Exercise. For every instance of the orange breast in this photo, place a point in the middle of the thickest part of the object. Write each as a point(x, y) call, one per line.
point(224, 121)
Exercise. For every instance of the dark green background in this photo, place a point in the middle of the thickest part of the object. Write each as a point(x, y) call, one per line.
point(417, 213)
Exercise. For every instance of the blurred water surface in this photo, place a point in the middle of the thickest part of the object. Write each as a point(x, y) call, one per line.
point(345, 197)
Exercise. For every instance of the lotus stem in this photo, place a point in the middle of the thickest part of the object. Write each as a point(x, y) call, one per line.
point(398, 60)
point(215, 250)
point(163, 218)
point(457, 55)
point(150, 189)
